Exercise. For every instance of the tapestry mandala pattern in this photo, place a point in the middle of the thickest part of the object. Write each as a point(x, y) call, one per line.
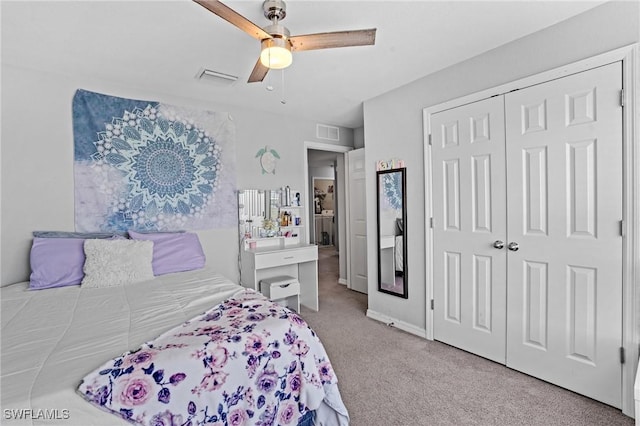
point(148, 166)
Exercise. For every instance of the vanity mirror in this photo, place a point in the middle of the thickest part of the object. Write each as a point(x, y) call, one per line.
point(270, 217)
point(392, 227)
point(253, 208)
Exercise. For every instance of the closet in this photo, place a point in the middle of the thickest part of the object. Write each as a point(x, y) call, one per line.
point(527, 244)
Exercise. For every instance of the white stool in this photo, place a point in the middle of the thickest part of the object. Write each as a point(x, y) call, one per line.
point(283, 289)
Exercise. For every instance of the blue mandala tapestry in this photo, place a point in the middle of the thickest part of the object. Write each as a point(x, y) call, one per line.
point(144, 165)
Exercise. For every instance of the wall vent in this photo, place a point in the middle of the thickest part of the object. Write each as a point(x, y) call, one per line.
point(330, 133)
point(216, 77)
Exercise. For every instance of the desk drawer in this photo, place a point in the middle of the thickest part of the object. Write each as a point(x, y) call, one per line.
point(286, 257)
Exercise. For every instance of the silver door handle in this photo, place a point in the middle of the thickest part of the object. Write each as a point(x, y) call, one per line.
point(513, 246)
point(498, 244)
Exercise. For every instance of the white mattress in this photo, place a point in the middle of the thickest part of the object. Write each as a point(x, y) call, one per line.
point(52, 338)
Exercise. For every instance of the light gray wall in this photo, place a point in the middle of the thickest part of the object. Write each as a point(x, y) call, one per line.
point(394, 128)
point(358, 137)
point(37, 159)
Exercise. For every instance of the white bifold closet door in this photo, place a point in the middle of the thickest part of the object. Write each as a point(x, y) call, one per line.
point(554, 290)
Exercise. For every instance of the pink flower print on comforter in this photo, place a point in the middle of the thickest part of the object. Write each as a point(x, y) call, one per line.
point(245, 361)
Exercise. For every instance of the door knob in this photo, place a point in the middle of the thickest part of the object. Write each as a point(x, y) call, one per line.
point(513, 246)
point(498, 244)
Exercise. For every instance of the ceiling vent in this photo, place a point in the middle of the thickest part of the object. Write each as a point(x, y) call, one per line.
point(329, 133)
point(216, 77)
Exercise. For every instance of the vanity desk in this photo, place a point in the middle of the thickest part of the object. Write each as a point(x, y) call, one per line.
point(273, 246)
point(297, 260)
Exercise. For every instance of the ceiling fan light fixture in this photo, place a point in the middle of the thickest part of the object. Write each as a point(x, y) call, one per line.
point(276, 53)
point(276, 43)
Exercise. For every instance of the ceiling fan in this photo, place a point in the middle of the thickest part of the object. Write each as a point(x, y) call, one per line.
point(275, 39)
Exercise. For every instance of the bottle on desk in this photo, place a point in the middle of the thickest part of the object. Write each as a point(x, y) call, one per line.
point(286, 219)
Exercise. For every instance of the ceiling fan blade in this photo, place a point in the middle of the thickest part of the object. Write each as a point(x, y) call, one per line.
point(233, 17)
point(259, 72)
point(333, 39)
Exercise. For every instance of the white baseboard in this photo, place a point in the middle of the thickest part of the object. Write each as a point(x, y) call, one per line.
point(392, 322)
point(342, 281)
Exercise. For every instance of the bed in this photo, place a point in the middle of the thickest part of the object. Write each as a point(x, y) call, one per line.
point(52, 339)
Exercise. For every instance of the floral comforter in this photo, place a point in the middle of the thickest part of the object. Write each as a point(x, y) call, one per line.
point(245, 361)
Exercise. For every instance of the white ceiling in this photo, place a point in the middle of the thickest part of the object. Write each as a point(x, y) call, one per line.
point(161, 45)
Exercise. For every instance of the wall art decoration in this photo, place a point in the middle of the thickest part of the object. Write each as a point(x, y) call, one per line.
point(394, 163)
point(150, 166)
point(268, 159)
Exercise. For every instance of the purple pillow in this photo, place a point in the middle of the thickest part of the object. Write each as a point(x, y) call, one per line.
point(57, 258)
point(173, 252)
point(56, 262)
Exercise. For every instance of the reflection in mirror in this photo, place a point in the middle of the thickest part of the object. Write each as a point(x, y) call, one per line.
point(270, 217)
point(392, 226)
point(274, 203)
point(252, 206)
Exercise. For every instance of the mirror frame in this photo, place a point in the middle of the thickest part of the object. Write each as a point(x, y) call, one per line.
point(379, 188)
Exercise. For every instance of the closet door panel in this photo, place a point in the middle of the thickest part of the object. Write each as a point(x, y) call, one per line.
point(564, 185)
point(534, 175)
point(469, 216)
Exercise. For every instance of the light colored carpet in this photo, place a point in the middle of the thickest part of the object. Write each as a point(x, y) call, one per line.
point(389, 377)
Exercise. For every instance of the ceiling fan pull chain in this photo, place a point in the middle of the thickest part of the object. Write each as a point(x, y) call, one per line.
point(283, 100)
point(269, 83)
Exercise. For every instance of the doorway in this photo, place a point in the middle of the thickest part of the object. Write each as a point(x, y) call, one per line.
point(324, 166)
point(324, 197)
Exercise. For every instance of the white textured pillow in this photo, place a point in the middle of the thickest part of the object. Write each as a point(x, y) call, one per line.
point(111, 263)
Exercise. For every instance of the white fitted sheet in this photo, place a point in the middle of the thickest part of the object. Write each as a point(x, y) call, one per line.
point(52, 338)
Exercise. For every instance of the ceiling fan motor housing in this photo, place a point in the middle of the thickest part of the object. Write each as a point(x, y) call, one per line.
point(277, 30)
point(274, 9)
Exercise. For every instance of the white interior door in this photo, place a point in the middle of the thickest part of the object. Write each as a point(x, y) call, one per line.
point(559, 278)
point(564, 177)
point(357, 219)
point(469, 273)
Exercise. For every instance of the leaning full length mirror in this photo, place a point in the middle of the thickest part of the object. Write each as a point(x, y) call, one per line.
point(392, 227)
